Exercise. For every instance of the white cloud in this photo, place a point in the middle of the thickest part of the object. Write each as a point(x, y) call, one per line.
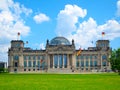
point(68, 17)
point(11, 23)
point(111, 28)
point(42, 46)
point(85, 31)
point(118, 8)
point(41, 18)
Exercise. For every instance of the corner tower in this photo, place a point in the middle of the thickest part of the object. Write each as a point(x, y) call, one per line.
point(15, 56)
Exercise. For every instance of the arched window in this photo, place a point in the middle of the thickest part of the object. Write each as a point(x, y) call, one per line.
point(16, 57)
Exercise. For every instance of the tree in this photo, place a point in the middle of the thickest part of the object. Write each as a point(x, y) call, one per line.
point(115, 60)
point(1, 70)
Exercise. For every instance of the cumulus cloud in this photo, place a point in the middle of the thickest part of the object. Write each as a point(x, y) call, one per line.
point(41, 18)
point(84, 32)
point(68, 17)
point(118, 8)
point(11, 23)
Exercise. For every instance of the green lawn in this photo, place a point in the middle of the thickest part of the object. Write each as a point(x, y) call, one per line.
point(59, 82)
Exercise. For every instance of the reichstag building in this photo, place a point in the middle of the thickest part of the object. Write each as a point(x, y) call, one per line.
point(59, 56)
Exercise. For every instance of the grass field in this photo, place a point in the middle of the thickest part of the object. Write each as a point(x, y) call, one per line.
point(59, 82)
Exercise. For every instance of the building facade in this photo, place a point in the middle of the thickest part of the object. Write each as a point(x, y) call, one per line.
point(3, 64)
point(60, 56)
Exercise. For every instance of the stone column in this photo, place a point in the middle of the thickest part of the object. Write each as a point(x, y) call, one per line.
point(68, 63)
point(27, 62)
point(11, 61)
point(84, 63)
point(63, 61)
point(101, 62)
point(58, 61)
point(53, 60)
point(79, 63)
point(89, 63)
point(31, 63)
point(48, 61)
point(21, 63)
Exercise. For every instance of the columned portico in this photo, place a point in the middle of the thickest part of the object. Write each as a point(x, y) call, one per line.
point(59, 61)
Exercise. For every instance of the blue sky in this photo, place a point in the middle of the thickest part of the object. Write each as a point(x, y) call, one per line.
point(39, 20)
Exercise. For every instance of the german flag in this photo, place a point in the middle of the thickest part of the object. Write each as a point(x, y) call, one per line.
point(79, 52)
point(41, 61)
point(103, 34)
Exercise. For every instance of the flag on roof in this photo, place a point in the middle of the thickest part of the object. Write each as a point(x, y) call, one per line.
point(79, 52)
point(103, 33)
point(18, 33)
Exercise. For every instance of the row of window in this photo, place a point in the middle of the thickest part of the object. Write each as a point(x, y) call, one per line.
point(16, 57)
point(92, 63)
point(32, 57)
point(86, 57)
point(34, 63)
point(103, 45)
point(104, 57)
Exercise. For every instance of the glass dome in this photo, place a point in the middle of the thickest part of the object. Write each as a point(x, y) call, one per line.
point(59, 41)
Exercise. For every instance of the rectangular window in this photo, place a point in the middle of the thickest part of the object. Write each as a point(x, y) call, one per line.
point(95, 63)
point(77, 57)
point(82, 63)
point(43, 57)
point(29, 64)
point(104, 63)
point(25, 57)
point(81, 57)
point(87, 63)
point(34, 57)
point(95, 57)
point(29, 57)
point(34, 63)
point(16, 64)
point(38, 57)
point(16, 57)
point(25, 63)
point(38, 64)
point(91, 63)
point(87, 57)
point(91, 57)
point(77, 64)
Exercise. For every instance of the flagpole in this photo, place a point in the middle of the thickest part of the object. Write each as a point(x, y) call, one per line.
point(18, 36)
point(103, 34)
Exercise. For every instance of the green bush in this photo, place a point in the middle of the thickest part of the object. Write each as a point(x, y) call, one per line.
point(1, 70)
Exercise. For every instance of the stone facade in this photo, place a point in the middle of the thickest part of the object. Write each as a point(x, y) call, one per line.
point(59, 56)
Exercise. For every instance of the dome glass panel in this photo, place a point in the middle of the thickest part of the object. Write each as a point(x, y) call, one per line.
point(59, 41)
